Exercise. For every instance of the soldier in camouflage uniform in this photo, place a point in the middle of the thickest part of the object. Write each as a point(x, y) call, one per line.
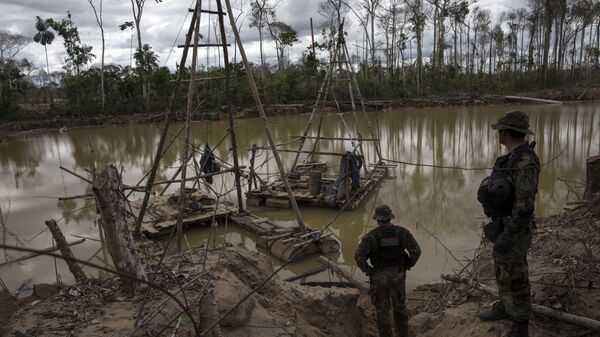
point(386, 247)
point(508, 197)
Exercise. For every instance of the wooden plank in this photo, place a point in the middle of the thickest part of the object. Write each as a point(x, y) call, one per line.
point(202, 45)
point(191, 10)
point(533, 99)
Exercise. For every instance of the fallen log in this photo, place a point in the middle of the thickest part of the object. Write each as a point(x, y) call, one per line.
point(41, 252)
point(362, 286)
point(112, 206)
point(66, 252)
point(581, 321)
point(532, 99)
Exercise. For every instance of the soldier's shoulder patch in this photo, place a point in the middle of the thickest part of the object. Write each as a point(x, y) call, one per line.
point(524, 161)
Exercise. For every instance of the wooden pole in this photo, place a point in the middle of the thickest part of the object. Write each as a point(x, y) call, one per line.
point(312, 36)
point(66, 252)
point(252, 176)
point(324, 86)
point(362, 102)
point(336, 154)
point(360, 285)
point(532, 99)
point(112, 206)
point(167, 123)
point(188, 122)
point(41, 252)
point(234, 147)
point(263, 115)
point(539, 309)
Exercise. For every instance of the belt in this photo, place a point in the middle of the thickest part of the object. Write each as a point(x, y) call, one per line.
point(391, 268)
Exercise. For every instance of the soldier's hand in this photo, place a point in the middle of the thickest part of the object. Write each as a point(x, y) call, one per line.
point(502, 244)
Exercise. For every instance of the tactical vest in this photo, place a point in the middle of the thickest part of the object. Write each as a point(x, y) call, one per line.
point(390, 247)
point(497, 193)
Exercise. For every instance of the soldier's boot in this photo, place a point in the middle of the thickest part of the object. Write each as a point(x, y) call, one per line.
point(496, 313)
point(402, 329)
point(519, 329)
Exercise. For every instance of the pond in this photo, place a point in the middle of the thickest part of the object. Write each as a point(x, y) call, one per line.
point(438, 206)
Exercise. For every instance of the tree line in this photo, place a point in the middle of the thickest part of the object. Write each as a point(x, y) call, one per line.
point(400, 49)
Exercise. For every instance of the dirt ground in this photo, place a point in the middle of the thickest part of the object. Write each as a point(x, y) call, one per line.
point(564, 270)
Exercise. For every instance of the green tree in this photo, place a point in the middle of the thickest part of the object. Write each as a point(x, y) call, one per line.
point(284, 36)
point(78, 54)
point(44, 37)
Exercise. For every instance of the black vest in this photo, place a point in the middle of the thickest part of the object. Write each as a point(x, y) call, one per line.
point(390, 247)
point(497, 193)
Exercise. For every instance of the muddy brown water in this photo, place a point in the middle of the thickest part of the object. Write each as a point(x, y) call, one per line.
point(441, 201)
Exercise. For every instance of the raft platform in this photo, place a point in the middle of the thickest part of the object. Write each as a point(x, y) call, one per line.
point(274, 195)
point(201, 208)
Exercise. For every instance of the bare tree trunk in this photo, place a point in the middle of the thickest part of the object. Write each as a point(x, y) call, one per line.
point(100, 23)
point(66, 252)
point(137, 16)
point(112, 206)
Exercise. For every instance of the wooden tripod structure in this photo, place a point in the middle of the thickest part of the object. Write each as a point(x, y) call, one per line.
point(340, 70)
point(192, 42)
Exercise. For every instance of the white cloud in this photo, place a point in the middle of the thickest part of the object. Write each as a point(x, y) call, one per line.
point(161, 23)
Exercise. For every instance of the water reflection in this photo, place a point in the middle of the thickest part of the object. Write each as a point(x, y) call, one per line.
point(442, 201)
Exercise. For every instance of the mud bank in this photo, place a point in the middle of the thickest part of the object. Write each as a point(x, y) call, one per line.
point(564, 269)
point(38, 124)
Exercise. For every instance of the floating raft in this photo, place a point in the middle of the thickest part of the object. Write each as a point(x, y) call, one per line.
point(275, 195)
point(284, 243)
point(161, 213)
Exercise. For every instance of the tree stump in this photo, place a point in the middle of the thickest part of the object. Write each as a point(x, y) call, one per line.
point(593, 177)
point(112, 206)
point(66, 252)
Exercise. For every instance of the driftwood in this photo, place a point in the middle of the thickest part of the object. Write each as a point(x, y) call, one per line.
point(538, 309)
point(112, 206)
point(66, 252)
point(41, 252)
point(362, 286)
point(592, 185)
point(532, 99)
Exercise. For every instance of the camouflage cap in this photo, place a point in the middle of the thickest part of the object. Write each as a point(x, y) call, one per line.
point(383, 213)
point(513, 120)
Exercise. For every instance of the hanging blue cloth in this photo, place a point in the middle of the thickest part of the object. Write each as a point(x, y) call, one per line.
point(348, 178)
point(356, 164)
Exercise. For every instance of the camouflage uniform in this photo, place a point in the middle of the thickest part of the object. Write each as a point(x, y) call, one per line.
point(511, 268)
point(521, 167)
point(385, 248)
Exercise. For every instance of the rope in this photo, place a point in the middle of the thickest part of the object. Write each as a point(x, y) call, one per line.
point(466, 168)
point(176, 38)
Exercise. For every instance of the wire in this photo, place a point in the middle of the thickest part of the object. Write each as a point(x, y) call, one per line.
point(178, 33)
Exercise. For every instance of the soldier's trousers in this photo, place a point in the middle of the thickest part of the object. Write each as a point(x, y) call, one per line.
point(388, 292)
point(512, 278)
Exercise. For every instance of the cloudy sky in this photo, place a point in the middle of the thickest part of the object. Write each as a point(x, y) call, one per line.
point(161, 23)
